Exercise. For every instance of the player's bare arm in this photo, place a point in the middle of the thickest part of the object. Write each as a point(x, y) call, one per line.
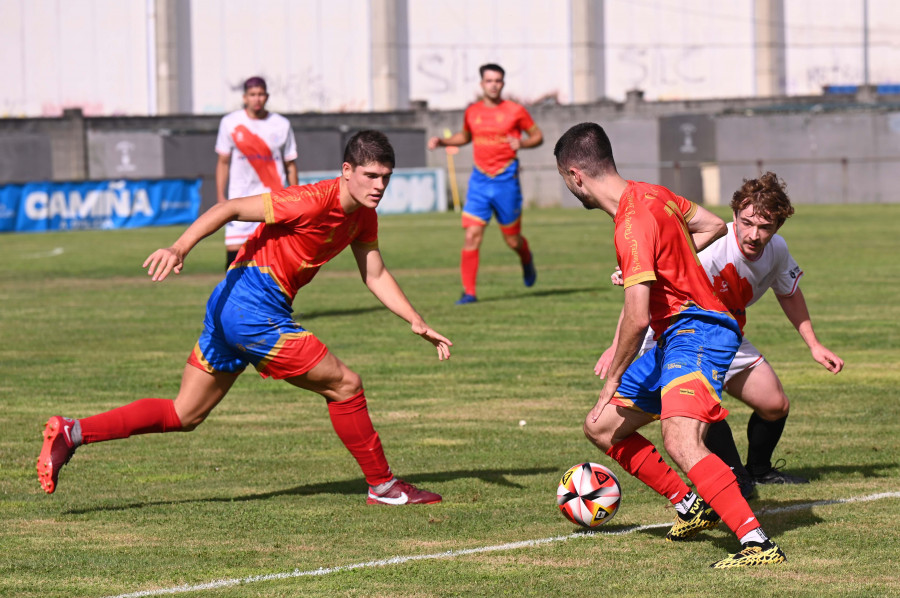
point(383, 285)
point(705, 227)
point(794, 307)
point(291, 169)
point(223, 166)
point(534, 138)
point(457, 139)
point(635, 320)
point(171, 259)
point(605, 361)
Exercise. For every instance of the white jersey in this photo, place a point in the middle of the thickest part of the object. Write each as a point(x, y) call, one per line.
point(739, 282)
point(258, 147)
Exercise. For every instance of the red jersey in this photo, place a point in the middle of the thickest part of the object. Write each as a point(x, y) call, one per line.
point(489, 127)
point(305, 227)
point(653, 243)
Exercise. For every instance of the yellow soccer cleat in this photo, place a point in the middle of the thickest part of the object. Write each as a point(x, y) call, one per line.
point(753, 555)
point(698, 518)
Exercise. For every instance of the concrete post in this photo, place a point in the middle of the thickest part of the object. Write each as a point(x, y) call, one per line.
point(174, 71)
point(588, 66)
point(390, 55)
point(769, 46)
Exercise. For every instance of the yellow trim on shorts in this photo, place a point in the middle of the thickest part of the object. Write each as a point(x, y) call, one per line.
point(629, 404)
point(690, 377)
point(279, 345)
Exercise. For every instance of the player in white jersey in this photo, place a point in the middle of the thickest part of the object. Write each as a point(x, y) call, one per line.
point(257, 154)
point(748, 261)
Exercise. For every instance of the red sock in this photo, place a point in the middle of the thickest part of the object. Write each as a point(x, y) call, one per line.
point(639, 457)
point(353, 425)
point(716, 483)
point(144, 416)
point(524, 252)
point(468, 267)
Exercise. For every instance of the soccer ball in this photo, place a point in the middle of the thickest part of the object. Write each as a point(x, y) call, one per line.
point(589, 494)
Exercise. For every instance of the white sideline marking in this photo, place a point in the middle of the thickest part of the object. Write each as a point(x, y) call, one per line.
point(399, 560)
point(52, 253)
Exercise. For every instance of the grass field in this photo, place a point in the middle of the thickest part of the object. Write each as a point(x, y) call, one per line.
point(264, 487)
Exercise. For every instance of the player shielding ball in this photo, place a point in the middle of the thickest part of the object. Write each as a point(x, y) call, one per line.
point(657, 234)
point(248, 318)
point(748, 261)
point(495, 128)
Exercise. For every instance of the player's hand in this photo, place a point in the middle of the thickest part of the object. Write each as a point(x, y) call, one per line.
point(829, 360)
point(163, 261)
point(514, 142)
point(602, 367)
point(441, 342)
point(434, 142)
point(616, 277)
point(606, 395)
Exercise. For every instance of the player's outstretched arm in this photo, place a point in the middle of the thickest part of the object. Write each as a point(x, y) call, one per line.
point(460, 138)
point(705, 227)
point(163, 261)
point(383, 285)
point(794, 307)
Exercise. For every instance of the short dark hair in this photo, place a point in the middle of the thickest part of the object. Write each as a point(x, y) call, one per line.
point(255, 82)
point(585, 146)
point(768, 196)
point(491, 67)
point(369, 146)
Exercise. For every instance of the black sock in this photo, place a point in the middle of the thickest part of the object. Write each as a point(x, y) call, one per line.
point(230, 255)
point(720, 442)
point(762, 438)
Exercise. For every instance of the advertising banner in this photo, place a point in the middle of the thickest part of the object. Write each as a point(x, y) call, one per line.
point(410, 189)
point(47, 206)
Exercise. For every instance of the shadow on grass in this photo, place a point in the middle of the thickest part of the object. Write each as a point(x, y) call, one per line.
point(541, 293)
point(872, 470)
point(347, 487)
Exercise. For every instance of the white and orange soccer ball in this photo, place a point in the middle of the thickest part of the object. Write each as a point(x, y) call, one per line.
point(589, 494)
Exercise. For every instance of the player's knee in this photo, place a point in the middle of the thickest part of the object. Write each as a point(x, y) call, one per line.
point(513, 241)
point(350, 384)
point(775, 410)
point(599, 436)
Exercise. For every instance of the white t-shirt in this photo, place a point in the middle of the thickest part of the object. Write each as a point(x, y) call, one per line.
point(739, 282)
point(258, 149)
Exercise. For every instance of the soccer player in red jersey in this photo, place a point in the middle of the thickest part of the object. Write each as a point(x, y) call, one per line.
point(657, 235)
point(248, 318)
point(495, 128)
point(257, 153)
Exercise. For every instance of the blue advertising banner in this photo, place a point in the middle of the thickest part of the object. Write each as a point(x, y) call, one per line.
point(46, 206)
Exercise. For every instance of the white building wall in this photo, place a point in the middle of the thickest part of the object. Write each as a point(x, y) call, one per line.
point(315, 54)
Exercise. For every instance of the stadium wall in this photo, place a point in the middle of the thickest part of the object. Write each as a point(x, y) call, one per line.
point(833, 148)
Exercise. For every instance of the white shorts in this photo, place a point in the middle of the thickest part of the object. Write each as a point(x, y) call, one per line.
point(238, 232)
point(747, 356)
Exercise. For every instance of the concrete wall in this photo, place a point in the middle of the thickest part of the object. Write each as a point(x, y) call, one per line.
point(828, 149)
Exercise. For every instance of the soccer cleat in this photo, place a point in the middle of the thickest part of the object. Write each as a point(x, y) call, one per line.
point(466, 298)
point(776, 476)
point(698, 518)
point(57, 450)
point(748, 488)
point(402, 493)
point(753, 554)
point(529, 274)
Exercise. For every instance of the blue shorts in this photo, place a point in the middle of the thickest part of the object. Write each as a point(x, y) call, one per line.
point(248, 321)
point(684, 374)
point(500, 195)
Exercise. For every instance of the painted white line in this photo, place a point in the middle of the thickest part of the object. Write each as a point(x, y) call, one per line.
point(399, 560)
point(52, 253)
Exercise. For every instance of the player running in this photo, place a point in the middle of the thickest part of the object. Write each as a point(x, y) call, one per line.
point(750, 259)
point(495, 127)
point(257, 153)
point(248, 318)
point(680, 381)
